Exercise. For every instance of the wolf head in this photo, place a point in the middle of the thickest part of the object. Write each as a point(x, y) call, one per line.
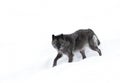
point(59, 42)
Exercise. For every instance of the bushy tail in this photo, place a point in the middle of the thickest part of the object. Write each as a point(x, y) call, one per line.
point(94, 37)
point(98, 41)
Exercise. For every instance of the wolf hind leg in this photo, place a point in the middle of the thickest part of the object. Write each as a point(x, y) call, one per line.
point(83, 54)
point(94, 46)
point(96, 49)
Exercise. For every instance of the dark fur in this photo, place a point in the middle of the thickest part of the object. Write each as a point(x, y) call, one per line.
point(66, 44)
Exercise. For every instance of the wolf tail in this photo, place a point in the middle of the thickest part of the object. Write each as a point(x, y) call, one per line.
point(94, 37)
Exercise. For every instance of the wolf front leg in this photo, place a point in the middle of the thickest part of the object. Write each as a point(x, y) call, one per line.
point(70, 56)
point(59, 55)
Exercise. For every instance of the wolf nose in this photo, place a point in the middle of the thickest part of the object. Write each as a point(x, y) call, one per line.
point(58, 46)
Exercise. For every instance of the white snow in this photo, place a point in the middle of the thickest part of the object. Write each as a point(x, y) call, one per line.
point(26, 53)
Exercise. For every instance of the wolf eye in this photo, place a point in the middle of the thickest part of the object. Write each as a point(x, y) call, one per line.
point(54, 41)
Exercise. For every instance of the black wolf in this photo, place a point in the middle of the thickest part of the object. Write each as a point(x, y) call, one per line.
point(68, 43)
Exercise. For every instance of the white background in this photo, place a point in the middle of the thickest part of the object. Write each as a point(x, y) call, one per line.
point(26, 27)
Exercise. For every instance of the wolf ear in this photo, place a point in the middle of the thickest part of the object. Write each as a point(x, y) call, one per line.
point(53, 37)
point(62, 36)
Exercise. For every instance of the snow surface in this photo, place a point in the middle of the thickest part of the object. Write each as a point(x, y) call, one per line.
point(26, 53)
